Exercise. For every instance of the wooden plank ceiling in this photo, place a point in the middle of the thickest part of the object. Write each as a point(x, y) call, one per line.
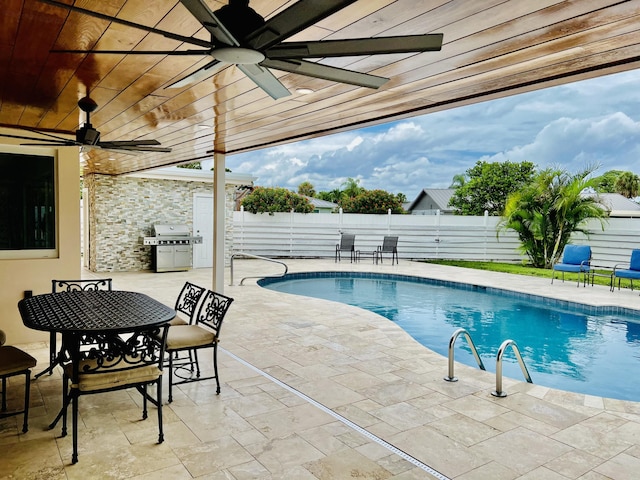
point(492, 48)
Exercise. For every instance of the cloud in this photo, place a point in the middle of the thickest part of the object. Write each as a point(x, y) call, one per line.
point(574, 125)
point(610, 141)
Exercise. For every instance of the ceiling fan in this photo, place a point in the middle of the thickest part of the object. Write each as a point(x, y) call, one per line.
point(87, 136)
point(241, 37)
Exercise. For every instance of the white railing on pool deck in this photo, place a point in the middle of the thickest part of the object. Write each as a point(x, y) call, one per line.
point(249, 255)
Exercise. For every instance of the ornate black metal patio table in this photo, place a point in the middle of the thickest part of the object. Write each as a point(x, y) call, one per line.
point(78, 313)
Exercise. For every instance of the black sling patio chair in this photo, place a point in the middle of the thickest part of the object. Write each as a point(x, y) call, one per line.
point(389, 245)
point(347, 244)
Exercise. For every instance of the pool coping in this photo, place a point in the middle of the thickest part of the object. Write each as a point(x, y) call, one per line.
point(634, 314)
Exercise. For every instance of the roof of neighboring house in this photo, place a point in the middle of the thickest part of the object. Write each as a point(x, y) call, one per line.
point(614, 202)
point(440, 197)
point(317, 203)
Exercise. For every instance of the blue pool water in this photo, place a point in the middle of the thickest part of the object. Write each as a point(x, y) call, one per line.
point(592, 350)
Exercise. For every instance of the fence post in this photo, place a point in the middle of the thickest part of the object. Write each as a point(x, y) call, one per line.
point(291, 230)
point(389, 221)
point(242, 247)
point(486, 221)
point(437, 233)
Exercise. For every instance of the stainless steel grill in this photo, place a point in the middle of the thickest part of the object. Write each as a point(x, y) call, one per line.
point(173, 247)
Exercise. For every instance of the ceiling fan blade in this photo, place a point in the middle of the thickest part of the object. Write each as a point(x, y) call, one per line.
point(201, 74)
point(130, 143)
point(356, 46)
point(266, 80)
point(58, 141)
point(326, 72)
point(50, 143)
point(180, 38)
point(132, 148)
point(297, 17)
point(139, 52)
point(207, 18)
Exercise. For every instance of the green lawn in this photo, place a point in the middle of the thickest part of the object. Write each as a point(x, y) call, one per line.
point(519, 269)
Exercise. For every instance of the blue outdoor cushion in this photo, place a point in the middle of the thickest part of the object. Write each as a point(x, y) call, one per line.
point(576, 254)
point(563, 267)
point(635, 260)
point(633, 272)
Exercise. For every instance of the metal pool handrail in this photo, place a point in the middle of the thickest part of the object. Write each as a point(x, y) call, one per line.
point(523, 367)
point(452, 341)
point(242, 254)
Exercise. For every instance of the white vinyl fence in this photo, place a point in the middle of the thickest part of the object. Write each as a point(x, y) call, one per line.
point(420, 236)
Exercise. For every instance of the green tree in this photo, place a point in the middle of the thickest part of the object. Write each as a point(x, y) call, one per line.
point(606, 183)
point(351, 188)
point(335, 196)
point(270, 200)
point(372, 201)
point(546, 212)
point(489, 185)
point(401, 197)
point(627, 184)
point(306, 188)
point(192, 166)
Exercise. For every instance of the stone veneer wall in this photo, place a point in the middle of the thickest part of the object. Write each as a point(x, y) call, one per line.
point(123, 209)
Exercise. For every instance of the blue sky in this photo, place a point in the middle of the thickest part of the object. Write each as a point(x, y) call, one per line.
point(593, 122)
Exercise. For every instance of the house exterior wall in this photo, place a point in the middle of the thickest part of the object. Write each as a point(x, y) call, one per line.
point(123, 209)
point(426, 206)
point(430, 200)
point(18, 275)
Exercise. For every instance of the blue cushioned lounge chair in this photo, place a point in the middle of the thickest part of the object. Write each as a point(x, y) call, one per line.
point(576, 259)
point(632, 270)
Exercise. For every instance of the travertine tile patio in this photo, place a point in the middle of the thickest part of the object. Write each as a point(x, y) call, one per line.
point(298, 374)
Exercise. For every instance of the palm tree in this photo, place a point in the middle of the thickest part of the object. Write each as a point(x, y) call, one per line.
point(627, 184)
point(351, 188)
point(548, 211)
point(337, 195)
point(458, 180)
point(306, 189)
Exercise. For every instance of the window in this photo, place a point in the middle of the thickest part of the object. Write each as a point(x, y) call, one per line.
point(27, 203)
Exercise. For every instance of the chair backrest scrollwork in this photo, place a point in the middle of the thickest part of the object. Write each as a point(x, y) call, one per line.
point(80, 285)
point(188, 299)
point(212, 311)
point(114, 353)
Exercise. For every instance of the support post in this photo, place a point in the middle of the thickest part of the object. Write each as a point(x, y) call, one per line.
point(218, 221)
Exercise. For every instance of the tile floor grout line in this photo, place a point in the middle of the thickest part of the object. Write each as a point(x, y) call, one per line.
point(342, 419)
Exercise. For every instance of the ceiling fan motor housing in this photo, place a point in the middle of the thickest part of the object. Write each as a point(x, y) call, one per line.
point(87, 135)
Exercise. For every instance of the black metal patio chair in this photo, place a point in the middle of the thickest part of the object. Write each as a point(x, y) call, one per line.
point(115, 363)
point(347, 244)
point(389, 245)
point(14, 361)
point(69, 286)
point(203, 333)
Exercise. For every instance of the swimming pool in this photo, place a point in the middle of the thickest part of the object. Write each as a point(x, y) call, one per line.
point(565, 345)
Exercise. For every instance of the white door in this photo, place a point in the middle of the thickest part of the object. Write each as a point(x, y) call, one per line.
point(203, 226)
